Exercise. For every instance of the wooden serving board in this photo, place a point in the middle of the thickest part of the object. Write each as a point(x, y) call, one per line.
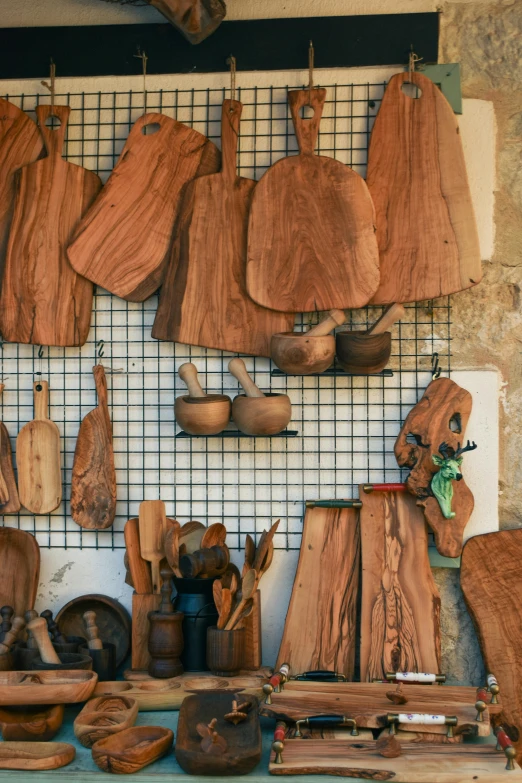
point(319, 629)
point(400, 615)
point(428, 242)
point(123, 242)
point(35, 755)
point(490, 578)
point(311, 233)
point(43, 300)
point(418, 763)
point(204, 303)
point(46, 687)
point(20, 569)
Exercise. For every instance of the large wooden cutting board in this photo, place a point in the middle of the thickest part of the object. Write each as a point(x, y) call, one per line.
point(204, 300)
point(20, 569)
point(311, 234)
point(319, 628)
point(20, 144)
point(491, 580)
point(428, 242)
point(123, 242)
point(400, 615)
point(43, 300)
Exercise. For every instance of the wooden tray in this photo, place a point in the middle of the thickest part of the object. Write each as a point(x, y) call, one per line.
point(46, 687)
point(112, 619)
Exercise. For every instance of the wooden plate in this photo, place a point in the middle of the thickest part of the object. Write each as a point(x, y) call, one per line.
point(112, 619)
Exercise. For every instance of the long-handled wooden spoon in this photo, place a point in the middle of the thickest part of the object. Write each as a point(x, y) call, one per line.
point(248, 589)
point(153, 524)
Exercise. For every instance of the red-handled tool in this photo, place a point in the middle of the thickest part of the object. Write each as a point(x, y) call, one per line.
point(481, 703)
point(278, 744)
point(275, 682)
point(504, 743)
point(384, 488)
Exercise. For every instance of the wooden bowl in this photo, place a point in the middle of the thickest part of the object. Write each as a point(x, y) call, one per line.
point(103, 717)
point(68, 661)
point(46, 687)
point(363, 354)
point(26, 724)
point(72, 644)
point(132, 749)
point(297, 354)
point(262, 415)
point(203, 415)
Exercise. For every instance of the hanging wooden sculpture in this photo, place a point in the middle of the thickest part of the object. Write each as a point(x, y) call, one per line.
point(431, 442)
point(428, 241)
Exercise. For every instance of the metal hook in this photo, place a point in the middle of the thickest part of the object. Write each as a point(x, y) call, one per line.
point(143, 57)
point(40, 352)
point(311, 56)
point(435, 367)
point(100, 344)
point(52, 79)
point(232, 62)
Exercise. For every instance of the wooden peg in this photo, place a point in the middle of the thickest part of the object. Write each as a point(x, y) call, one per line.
point(91, 629)
point(38, 628)
point(31, 641)
point(56, 635)
point(12, 634)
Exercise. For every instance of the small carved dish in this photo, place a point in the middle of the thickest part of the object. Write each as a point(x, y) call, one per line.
point(104, 716)
point(30, 724)
point(132, 749)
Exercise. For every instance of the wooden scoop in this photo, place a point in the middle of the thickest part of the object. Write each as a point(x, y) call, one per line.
point(38, 628)
point(91, 629)
point(139, 568)
point(238, 369)
point(248, 589)
point(153, 526)
point(393, 313)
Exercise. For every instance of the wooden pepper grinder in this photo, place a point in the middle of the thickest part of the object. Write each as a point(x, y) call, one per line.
point(31, 641)
point(6, 657)
point(38, 627)
point(91, 629)
point(56, 635)
point(7, 613)
point(165, 636)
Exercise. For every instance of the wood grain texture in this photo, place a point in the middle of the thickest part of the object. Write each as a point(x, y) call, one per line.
point(22, 688)
point(26, 724)
point(141, 606)
point(35, 755)
point(418, 763)
point(490, 581)
point(195, 19)
point(103, 716)
point(43, 300)
point(311, 232)
point(428, 242)
point(253, 654)
point(319, 629)
point(208, 305)
point(123, 242)
point(139, 568)
point(153, 528)
point(428, 422)
point(20, 569)
point(93, 483)
point(20, 143)
point(132, 749)
point(10, 502)
point(112, 619)
point(38, 457)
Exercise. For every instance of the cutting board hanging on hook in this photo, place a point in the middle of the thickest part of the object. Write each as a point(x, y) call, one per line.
point(43, 300)
point(426, 230)
point(204, 299)
point(311, 233)
point(123, 243)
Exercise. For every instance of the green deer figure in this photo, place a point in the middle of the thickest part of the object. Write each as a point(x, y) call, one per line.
point(442, 481)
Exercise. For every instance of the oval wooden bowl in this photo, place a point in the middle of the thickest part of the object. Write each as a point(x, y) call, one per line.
point(104, 716)
point(297, 354)
point(262, 415)
point(363, 354)
point(132, 749)
point(203, 415)
point(26, 724)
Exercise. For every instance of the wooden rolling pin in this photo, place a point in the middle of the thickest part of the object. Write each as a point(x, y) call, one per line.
point(38, 627)
point(91, 629)
point(324, 327)
point(393, 313)
point(11, 635)
point(238, 369)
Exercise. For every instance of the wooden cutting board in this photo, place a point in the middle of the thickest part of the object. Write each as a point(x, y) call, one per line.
point(20, 569)
point(209, 305)
point(20, 143)
point(38, 457)
point(428, 242)
point(44, 301)
point(123, 242)
point(311, 233)
point(400, 614)
point(319, 628)
point(9, 490)
point(490, 577)
point(93, 483)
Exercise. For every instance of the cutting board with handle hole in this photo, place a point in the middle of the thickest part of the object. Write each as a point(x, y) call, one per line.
point(44, 301)
point(204, 299)
point(123, 242)
point(311, 233)
point(426, 231)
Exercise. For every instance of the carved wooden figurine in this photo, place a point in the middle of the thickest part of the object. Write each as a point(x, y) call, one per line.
point(166, 636)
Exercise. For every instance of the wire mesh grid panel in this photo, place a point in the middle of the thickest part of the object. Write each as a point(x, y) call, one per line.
point(345, 426)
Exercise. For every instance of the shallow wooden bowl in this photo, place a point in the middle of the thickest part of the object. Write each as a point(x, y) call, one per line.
point(104, 716)
point(361, 353)
point(203, 415)
point(262, 415)
point(46, 687)
point(36, 724)
point(297, 354)
point(132, 749)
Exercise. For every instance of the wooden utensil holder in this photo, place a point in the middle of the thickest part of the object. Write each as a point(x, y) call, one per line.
point(360, 353)
point(165, 644)
point(225, 651)
point(141, 606)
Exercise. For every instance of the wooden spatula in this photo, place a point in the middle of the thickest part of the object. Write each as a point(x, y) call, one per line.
point(153, 525)
point(38, 457)
point(10, 503)
point(139, 568)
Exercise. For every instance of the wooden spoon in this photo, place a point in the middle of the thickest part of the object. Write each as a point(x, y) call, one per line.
point(238, 369)
point(139, 568)
point(214, 535)
point(217, 589)
point(263, 546)
point(248, 589)
point(393, 312)
point(226, 608)
point(231, 572)
point(267, 562)
point(153, 525)
point(191, 535)
point(250, 553)
point(247, 611)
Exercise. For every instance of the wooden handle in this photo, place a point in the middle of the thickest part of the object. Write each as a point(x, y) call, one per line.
point(249, 587)
point(333, 319)
point(502, 738)
point(41, 400)
point(230, 119)
point(306, 131)
point(368, 488)
point(393, 312)
point(53, 137)
point(31, 614)
point(56, 634)
point(239, 371)
point(189, 375)
point(12, 634)
point(139, 568)
point(38, 628)
point(100, 379)
point(91, 629)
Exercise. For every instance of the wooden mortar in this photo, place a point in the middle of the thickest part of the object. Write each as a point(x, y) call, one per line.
point(257, 413)
point(305, 353)
point(199, 413)
point(366, 353)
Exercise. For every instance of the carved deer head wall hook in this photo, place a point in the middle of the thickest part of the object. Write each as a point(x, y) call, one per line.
point(449, 471)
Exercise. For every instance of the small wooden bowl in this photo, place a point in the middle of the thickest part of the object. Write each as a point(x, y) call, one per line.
point(72, 644)
point(104, 716)
point(266, 415)
point(361, 353)
point(203, 415)
point(67, 661)
point(132, 749)
point(30, 724)
point(297, 354)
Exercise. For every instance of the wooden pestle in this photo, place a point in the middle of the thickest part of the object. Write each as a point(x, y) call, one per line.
point(56, 635)
point(31, 614)
point(91, 629)
point(38, 628)
point(393, 312)
point(166, 591)
point(11, 635)
point(189, 375)
point(239, 371)
point(324, 327)
point(7, 613)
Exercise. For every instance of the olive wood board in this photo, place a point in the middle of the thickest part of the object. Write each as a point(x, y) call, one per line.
point(20, 569)
point(491, 581)
point(418, 762)
point(26, 724)
point(35, 755)
point(426, 230)
point(46, 687)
